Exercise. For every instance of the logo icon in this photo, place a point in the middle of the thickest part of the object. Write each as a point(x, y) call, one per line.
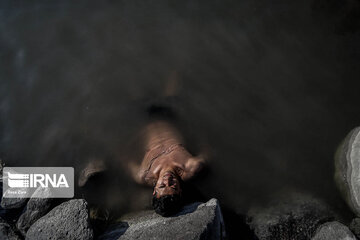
point(16, 180)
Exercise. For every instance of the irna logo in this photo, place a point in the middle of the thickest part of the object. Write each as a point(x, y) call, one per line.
point(23, 181)
point(16, 180)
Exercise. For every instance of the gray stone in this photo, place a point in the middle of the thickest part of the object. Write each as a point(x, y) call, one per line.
point(13, 208)
point(69, 220)
point(347, 169)
point(295, 216)
point(195, 221)
point(7, 232)
point(333, 230)
point(2, 210)
point(35, 209)
point(355, 227)
point(12, 203)
point(10, 208)
point(2, 165)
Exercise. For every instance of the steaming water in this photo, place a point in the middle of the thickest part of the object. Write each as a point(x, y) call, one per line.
point(271, 89)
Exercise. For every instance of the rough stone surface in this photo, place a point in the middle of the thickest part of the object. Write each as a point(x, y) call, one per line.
point(355, 227)
point(2, 164)
point(69, 220)
point(2, 210)
point(333, 230)
point(7, 232)
point(195, 221)
point(12, 203)
point(347, 169)
point(10, 208)
point(35, 209)
point(294, 217)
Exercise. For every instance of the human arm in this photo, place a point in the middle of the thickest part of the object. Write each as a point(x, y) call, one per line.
point(193, 166)
point(136, 173)
point(141, 175)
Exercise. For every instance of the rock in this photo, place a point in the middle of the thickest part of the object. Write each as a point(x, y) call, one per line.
point(7, 232)
point(355, 227)
point(69, 220)
point(294, 217)
point(195, 221)
point(2, 164)
point(10, 208)
point(13, 208)
point(12, 203)
point(35, 209)
point(114, 231)
point(333, 230)
point(2, 210)
point(347, 169)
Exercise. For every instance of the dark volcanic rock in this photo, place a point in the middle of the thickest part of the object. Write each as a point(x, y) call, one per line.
point(296, 217)
point(333, 230)
point(115, 231)
point(12, 203)
point(7, 232)
point(35, 209)
point(195, 221)
point(347, 169)
point(69, 220)
point(10, 208)
point(355, 227)
point(2, 164)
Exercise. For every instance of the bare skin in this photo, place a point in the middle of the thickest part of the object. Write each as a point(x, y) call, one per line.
point(166, 161)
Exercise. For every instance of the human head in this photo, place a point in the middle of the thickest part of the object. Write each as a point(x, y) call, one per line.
point(167, 195)
point(167, 205)
point(168, 183)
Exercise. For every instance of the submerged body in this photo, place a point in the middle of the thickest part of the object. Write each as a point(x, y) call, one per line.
point(166, 162)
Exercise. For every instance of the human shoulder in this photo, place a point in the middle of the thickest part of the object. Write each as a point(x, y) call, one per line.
point(193, 166)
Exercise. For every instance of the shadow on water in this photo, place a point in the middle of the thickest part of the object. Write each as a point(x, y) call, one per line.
point(115, 231)
point(269, 88)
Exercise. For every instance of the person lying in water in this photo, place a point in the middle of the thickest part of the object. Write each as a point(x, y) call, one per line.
point(165, 165)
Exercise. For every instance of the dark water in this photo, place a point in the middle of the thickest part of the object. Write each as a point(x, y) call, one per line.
point(271, 88)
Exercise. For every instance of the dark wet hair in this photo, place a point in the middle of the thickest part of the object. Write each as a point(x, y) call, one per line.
point(167, 205)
